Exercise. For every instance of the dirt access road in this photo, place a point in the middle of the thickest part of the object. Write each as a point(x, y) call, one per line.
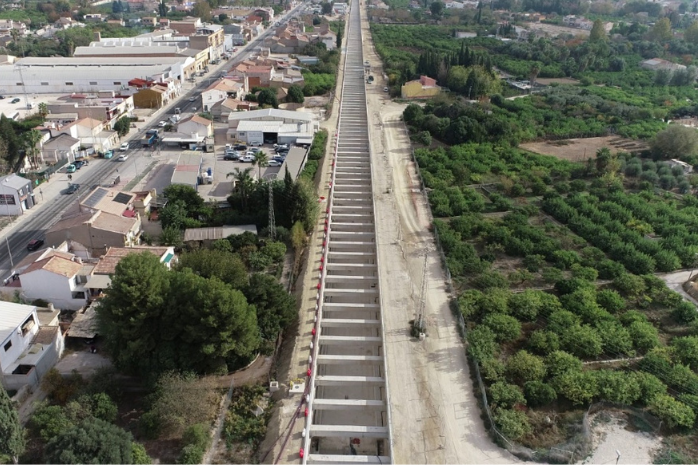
point(435, 416)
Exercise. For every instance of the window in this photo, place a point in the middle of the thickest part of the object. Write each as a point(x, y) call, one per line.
point(68, 83)
point(8, 345)
point(93, 83)
point(28, 325)
point(7, 199)
point(19, 84)
point(44, 83)
point(116, 83)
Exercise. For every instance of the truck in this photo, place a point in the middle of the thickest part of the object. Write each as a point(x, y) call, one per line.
point(148, 140)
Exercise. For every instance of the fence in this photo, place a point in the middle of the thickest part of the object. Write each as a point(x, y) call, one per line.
point(575, 448)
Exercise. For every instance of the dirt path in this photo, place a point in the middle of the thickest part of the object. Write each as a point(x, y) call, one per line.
point(435, 416)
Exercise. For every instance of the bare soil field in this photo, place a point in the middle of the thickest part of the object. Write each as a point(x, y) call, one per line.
point(613, 435)
point(553, 30)
point(583, 149)
point(548, 81)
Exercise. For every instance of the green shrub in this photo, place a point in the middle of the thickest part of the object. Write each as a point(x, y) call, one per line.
point(539, 393)
point(512, 423)
point(505, 328)
point(506, 395)
point(197, 435)
point(191, 454)
point(672, 411)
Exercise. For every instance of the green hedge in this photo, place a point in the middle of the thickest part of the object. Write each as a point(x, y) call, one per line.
point(317, 151)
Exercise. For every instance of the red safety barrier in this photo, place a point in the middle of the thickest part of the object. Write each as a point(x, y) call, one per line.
point(301, 453)
point(313, 332)
point(306, 412)
point(309, 372)
point(319, 285)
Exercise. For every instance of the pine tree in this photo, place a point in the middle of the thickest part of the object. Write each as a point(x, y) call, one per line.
point(11, 431)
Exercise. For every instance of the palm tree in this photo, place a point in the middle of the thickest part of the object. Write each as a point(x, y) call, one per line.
point(261, 160)
point(242, 182)
point(43, 109)
point(31, 141)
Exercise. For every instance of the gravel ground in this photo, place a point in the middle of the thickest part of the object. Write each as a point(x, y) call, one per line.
point(613, 437)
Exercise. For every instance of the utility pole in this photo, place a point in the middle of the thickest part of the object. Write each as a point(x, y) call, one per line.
point(420, 325)
point(9, 252)
point(272, 220)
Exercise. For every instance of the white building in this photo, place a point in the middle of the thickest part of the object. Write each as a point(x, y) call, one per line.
point(56, 277)
point(84, 75)
point(281, 125)
point(16, 195)
point(29, 348)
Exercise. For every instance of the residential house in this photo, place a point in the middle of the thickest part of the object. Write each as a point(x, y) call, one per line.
point(32, 343)
point(103, 106)
point(222, 90)
point(209, 36)
point(104, 218)
point(16, 195)
point(151, 21)
point(196, 125)
point(258, 76)
point(63, 146)
point(686, 167)
point(67, 23)
point(151, 97)
point(424, 87)
point(238, 36)
point(222, 110)
point(186, 26)
point(8, 25)
point(577, 22)
point(656, 64)
point(340, 8)
point(93, 18)
point(57, 277)
point(92, 133)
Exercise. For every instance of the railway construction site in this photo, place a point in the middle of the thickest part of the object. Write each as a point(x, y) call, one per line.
point(372, 392)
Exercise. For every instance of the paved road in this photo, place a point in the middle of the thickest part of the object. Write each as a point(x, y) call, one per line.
point(49, 211)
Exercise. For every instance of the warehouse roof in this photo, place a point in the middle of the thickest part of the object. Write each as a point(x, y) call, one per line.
point(98, 61)
point(270, 112)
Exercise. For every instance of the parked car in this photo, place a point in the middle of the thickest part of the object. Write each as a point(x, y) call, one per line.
point(281, 150)
point(162, 124)
point(108, 154)
point(123, 147)
point(231, 156)
point(279, 158)
point(123, 157)
point(256, 144)
point(73, 188)
point(2, 97)
point(269, 141)
point(15, 100)
point(280, 146)
point(240, 147)
point(71, 168)
point(34, 244)
point(273, 162)
point(255, 149)
point(79, 163)
point(192, 99)
point(247, 158)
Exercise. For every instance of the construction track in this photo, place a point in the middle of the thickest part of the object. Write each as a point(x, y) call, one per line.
point(348, 417)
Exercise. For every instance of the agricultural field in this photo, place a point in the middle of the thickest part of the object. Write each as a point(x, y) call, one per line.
point(583, 149)
point(562, 278)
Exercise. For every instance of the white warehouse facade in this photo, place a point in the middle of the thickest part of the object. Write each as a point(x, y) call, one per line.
point(83, 75)
point(279, 126)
